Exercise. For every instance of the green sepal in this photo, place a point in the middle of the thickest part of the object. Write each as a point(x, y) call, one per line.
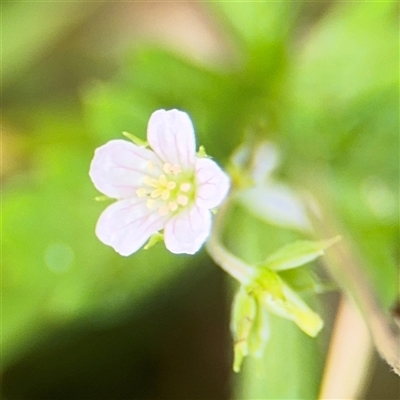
point(297, 254)
point(103, 198)
point(244, 309)
point(249, 325)
point(302, 280)
point(202, 152)
point(279, 298)
point(292, 307)
point(155, 238)
point(239, 353)
point(139, 142)
point(270, 282)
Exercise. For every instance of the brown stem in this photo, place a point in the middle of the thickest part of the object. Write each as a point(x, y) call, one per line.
point(346, 269)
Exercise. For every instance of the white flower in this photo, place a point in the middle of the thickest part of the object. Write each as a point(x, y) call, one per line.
point(169, 188)
point(268, 199)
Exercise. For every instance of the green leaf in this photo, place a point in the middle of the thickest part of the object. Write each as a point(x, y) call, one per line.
point(257, 22)
point(297, 254)
point(349, 53)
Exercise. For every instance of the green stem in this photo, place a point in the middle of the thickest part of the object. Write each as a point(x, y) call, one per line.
point(231, 264)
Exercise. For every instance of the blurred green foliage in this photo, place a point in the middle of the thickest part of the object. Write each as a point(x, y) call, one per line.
point(344, 121)
point(326, 92)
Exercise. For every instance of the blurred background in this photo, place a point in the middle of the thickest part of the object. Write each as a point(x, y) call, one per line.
point(319, 79)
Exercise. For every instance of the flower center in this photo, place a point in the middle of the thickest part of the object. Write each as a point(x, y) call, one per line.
point(172, 190)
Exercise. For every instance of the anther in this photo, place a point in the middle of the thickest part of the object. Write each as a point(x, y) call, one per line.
point(185, 187)
point(176, 169)
point(182, 200)
point(165, 194)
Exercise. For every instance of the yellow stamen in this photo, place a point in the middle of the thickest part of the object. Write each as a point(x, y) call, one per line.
point(163, 188)
point(156, 193)
point(171, 185)
point(165, 194)
point(150, 182)
point(163, 180)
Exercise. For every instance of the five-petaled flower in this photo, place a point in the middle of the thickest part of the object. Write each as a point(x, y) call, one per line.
point(170, 188)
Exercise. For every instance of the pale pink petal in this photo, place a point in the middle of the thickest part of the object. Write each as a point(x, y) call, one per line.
point(118, 168)
point(127, 224)
point(187, 231)
point(171, 135)
point(277, 204)
point(212, 183)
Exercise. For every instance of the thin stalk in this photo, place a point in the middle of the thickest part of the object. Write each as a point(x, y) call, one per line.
point(231, 264)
